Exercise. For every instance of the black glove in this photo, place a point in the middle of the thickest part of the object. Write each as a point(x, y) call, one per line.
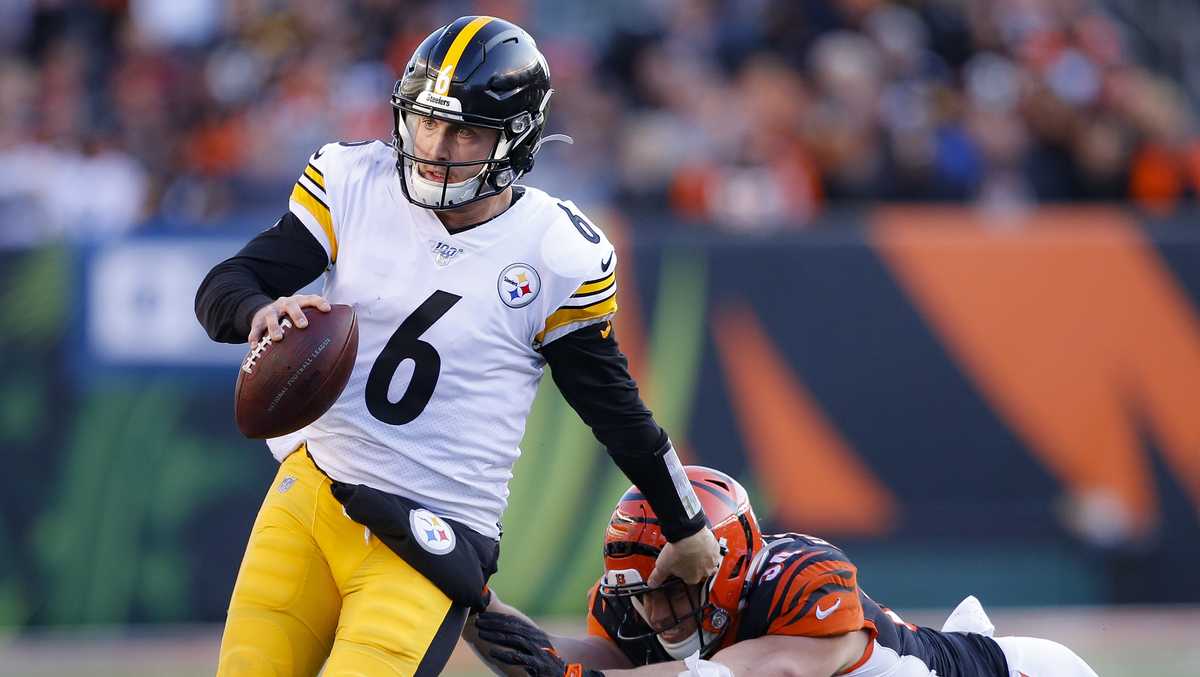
point(525, 646)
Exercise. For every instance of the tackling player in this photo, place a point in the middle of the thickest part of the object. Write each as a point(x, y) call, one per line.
point(786, 604)
point(466, 285)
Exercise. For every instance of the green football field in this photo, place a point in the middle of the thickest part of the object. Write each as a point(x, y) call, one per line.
point(1138, 642)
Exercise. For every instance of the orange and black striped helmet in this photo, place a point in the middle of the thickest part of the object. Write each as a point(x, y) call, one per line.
point(633, 541)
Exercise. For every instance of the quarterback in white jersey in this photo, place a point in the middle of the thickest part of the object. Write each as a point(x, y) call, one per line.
point(484, 299)
point(381, 528)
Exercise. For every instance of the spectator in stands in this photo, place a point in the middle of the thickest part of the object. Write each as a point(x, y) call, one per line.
point(751, 116)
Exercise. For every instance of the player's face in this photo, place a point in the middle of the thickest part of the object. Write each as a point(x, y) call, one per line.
point(451, 142)
point(670, 610)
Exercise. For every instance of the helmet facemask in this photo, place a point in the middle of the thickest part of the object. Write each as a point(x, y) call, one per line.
point(634, 540)
point(510, 155)
point(660, 611)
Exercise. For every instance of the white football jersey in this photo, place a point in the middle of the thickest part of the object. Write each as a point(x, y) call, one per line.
point(449, 326)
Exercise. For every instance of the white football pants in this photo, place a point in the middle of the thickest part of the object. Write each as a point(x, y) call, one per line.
point(1026, 656)
point(1034, 657)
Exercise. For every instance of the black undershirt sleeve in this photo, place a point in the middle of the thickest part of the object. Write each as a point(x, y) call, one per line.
point(277, 262)
point(593, 375)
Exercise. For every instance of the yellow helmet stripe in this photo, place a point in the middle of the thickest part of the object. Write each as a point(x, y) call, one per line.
point(450, 61)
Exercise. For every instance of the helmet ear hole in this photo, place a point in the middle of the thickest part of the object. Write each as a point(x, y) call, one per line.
point(501, 179)
point(520, 124)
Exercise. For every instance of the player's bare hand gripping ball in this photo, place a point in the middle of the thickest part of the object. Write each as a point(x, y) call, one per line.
point(266, 319)
point(286, 384)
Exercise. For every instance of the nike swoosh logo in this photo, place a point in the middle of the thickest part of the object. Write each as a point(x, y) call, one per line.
point(606, 330)
point(319, 153)
point(605, 264)
point(822, 614)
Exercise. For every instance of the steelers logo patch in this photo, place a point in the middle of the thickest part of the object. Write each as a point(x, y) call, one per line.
point(431, 532)
point(518, 285)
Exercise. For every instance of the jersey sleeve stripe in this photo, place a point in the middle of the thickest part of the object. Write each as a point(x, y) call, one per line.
point(586, 300)
point(313, 189)
point(315, 175)
point(813, 596)
point(593, 286)
point(587, 314)
point(795, 612)
point(305, 198)
point(795, 582)
point(312, 193)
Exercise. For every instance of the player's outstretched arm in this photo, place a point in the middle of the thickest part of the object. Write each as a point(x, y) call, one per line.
point(769, 656)
point(593, 375)
point(791, 656)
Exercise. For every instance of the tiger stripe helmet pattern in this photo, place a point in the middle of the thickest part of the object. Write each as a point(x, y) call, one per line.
point(633, 541)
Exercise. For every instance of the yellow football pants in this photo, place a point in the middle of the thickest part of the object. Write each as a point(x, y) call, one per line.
point(316, 588)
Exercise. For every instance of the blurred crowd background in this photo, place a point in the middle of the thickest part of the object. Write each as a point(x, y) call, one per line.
point(126, 115)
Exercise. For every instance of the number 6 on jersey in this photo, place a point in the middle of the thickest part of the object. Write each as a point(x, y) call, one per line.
point(406, 344)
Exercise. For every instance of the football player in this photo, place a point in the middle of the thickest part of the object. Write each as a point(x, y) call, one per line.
point(787, 604)
point(383, 524)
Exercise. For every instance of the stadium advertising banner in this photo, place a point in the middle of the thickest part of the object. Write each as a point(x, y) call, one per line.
point(1005, 408)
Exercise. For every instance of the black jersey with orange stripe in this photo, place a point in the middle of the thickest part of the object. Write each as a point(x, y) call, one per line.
point(800, 585)
point(804, 586)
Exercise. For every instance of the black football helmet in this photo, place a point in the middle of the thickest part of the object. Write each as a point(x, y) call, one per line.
point(479, 71)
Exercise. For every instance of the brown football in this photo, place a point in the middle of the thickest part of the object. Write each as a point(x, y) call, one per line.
point(285, 385)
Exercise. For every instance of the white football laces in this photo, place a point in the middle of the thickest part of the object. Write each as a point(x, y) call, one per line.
point(261, 347)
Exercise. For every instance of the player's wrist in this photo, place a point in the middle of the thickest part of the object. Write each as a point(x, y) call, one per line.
point(700, 541)
point(685, 531)
point(660, 477)
point(249, 308)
